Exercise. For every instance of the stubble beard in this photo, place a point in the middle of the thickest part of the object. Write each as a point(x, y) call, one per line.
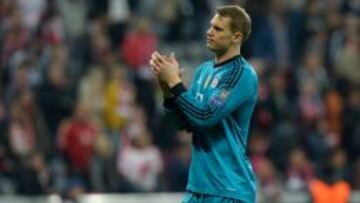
point(217, 51)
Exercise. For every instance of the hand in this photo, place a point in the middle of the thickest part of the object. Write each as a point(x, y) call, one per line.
point(165, 89)
point(166, 67)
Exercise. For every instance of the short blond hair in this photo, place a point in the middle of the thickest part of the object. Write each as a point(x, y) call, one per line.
point(240, 20)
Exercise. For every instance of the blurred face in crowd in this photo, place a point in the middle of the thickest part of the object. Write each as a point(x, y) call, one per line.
point(56, 75)
point(82, 112)
point(100, 42)
point(351, 23)
point(59, 54)
point(297, 158)
point(339, 159)
point(143, 26)
point(219, 35)
point(26, 99)
point(21, 78)
point(141, 141)
point(278, 83)
point(312, 61)
point(37, 162)
point(309, 88)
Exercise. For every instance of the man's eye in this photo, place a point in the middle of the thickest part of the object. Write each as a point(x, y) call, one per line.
point(218, 29)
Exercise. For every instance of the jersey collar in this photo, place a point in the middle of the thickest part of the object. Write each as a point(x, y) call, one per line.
point(226, 61)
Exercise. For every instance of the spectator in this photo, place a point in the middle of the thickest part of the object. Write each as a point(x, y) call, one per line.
point(300, 171)
point(32, 11)
point(310, 103)
point(313, 70)
point(33, 176)
point(74, 14)
point(178, 162)
point(351, 115)
point(355, 179)
point(118, 14)
point(119, 99)
point(138, 45)
point(331, 184)
point(102, 166)
point(91, 93)
point(347, 60)
point(54, 97)
point(56, 52)
point(140, 163)
point(16, 35)
point(136, 50)
point(28, 130)
point(334, 111)
point(76, 140)
point(101, 46)
point(74, 189)
point(269, 181)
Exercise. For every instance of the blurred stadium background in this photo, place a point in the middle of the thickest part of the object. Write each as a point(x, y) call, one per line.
point(81, 117)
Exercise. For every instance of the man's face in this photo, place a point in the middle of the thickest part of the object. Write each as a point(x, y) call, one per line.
point(219, 36)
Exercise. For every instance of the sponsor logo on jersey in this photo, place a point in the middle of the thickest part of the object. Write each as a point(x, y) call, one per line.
point(199, 96)
point(219, 100)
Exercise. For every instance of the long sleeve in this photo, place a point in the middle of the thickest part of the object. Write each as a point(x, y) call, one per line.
point(233, 90)
point(170, 104)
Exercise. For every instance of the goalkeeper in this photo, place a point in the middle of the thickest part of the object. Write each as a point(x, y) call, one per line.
point(217, 108)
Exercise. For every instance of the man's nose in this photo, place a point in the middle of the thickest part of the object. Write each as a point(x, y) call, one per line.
point(209, 31)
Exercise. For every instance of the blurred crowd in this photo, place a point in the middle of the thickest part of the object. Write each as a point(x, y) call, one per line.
point(81, 113)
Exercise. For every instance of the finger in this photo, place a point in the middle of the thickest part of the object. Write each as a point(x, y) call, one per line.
point(157, 62)
point(151, 62)
point(154, 67)
point(167, 58)
point(155, 71)
point(154, 63)
point(153, 55)
point(159, 57)
point(156, 54)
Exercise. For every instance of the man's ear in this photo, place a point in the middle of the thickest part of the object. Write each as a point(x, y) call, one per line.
point(238, 37)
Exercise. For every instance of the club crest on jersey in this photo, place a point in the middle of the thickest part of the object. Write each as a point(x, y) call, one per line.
point(214, 82)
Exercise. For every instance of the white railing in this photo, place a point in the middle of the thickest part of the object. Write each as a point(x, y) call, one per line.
point(147, 198)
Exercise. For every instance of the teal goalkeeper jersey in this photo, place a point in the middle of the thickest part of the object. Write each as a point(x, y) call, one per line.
point(218, 107)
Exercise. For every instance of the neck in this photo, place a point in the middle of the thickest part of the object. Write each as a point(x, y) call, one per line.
point(229, 53)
